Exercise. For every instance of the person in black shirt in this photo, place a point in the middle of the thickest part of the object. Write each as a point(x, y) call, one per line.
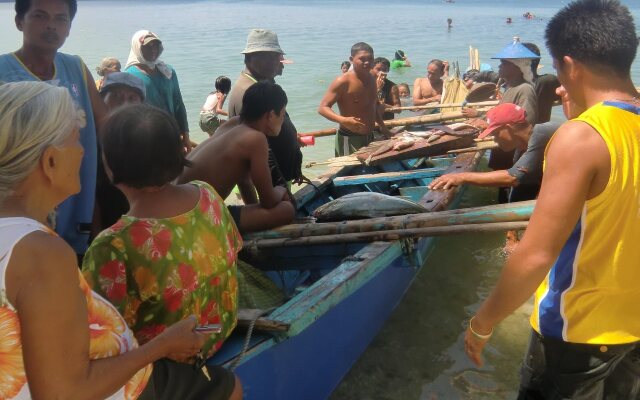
point(545, 87)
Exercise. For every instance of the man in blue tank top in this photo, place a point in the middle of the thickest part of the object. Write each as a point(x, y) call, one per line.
point(45, 25)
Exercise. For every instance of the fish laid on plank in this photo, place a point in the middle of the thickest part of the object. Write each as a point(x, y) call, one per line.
point(366, 205)
point(380, 150)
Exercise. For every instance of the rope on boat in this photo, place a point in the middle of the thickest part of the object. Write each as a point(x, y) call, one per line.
point(247, 338)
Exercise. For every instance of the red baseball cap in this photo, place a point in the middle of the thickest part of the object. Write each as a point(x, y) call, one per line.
point(503, 114)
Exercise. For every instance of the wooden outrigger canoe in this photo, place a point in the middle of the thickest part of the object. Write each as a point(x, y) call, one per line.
point(318, 334)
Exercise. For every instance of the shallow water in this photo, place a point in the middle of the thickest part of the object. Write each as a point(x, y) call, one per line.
point(419, 354)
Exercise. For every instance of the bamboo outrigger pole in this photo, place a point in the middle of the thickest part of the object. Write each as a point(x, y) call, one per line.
point(509, 212)
point(389, 235)
point(431, 106)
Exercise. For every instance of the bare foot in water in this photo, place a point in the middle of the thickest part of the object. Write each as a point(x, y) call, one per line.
point(511, 243)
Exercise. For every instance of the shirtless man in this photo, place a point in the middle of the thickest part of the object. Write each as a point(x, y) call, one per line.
point(428, 90)
point(356, 95)
point(240, 152)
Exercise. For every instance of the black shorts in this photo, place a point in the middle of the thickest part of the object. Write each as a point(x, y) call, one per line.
point(554, 369)
point(235, 214)
point(172, 380)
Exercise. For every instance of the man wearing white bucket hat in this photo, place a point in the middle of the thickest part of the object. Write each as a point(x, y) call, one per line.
point(263, 59)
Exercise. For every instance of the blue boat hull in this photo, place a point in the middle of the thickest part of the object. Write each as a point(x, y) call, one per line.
point(333, 321)
point(311, 365)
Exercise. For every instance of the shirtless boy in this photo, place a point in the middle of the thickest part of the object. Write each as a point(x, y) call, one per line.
point(241, 153)
point(356, 94)
point(429, 89)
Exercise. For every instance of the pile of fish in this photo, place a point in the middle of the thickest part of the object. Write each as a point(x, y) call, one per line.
point(407, 139)
point(365, 205)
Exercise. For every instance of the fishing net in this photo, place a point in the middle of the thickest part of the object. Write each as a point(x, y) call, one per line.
point(256, 290)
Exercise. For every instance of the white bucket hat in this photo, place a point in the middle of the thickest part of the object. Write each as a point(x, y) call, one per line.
point(262, 40)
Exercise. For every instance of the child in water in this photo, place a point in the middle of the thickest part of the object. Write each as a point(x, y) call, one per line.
point(212, 108)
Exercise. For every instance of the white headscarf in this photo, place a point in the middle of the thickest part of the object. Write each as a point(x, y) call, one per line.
point(524, 64)
point(136, 57)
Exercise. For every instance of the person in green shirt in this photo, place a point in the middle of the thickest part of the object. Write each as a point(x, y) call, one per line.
point(400, 60)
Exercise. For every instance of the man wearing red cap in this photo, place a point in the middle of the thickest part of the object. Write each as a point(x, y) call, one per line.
point(511, 130)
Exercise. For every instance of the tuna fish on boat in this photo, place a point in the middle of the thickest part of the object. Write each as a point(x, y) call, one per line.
point(366, 205)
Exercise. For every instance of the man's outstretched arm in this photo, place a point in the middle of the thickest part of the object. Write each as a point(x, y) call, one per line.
point(568, 182)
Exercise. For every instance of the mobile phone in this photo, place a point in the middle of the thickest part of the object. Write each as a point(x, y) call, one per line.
point(211, 328)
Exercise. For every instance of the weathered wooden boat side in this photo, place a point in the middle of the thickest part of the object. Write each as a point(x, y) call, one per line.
point(332, 321)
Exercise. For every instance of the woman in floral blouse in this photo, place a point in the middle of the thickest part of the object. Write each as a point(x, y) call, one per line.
point(58, 339)
point(174, 253)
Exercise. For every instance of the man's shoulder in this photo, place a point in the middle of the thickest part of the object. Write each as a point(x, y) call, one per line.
point(241, 85)
point(546, 130)
point(547, 79)
point(524, 87)
point(541, 135)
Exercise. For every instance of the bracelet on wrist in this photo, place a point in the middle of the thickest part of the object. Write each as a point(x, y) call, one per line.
point(476, 334)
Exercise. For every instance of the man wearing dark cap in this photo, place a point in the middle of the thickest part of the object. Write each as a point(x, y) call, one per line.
point(121, 88)
point(118, 89)
point(263, 59)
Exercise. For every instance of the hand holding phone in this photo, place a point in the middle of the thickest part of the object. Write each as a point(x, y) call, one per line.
point(210, 328)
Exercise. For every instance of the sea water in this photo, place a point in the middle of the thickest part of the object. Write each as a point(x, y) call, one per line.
point(419, 354)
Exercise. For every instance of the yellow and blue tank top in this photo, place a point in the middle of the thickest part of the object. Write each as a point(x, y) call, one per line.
point(74, 215)
point(591, 292)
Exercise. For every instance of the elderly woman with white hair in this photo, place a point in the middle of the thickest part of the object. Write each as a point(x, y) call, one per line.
point(59, 339)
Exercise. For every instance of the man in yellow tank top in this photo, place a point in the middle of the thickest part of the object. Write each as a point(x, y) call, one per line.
point(580, 254)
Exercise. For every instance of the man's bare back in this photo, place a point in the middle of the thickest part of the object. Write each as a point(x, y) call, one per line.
point(226, 159)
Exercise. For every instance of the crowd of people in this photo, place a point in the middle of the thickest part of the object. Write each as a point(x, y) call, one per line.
point(101, 175)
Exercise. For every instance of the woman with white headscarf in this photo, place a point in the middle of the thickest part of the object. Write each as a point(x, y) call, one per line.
point(160, 79)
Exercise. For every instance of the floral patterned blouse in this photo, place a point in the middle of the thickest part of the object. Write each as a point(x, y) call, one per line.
point(159, 271)
point(108, 332)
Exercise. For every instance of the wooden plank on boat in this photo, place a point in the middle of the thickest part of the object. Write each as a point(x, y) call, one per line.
point(420, 148)
point(247, 316)
point(388, 176)
point(439, 200)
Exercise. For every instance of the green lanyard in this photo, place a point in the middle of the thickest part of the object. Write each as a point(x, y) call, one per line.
point(250, 77)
